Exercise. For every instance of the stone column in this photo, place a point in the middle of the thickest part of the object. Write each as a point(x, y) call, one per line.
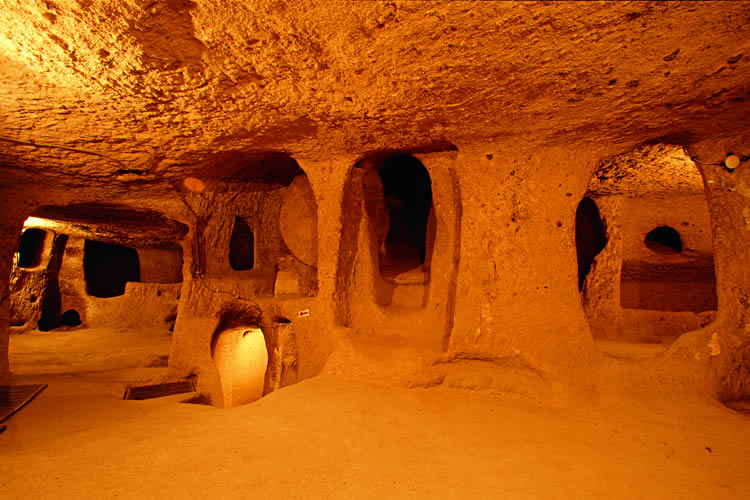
point(518, 279)
point(601, 290)
point(14, 209)
point(721, 351)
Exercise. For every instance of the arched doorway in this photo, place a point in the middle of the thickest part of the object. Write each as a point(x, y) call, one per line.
point(655, 278)
point(407, 191)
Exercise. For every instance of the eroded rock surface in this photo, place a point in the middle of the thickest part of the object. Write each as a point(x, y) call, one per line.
point(169, 124)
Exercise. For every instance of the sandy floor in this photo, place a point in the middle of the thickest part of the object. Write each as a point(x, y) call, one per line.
point(335, 438)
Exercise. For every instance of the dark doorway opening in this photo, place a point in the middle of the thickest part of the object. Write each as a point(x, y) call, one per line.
point(51, 305)
point(51, 301)
point(590, 237)
point(107, 267)
point(408, 196)
point(31, 247)
point(664, 240)
point(241, 246)
point(71, 318)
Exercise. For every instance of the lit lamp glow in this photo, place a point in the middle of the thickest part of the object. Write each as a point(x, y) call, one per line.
point(732, 162)
point(194, 184)
point(39, 222)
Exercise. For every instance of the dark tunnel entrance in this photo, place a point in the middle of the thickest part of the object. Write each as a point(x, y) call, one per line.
point(241, 246)
point(590, 237)
point(107, 267)
point(408, 195)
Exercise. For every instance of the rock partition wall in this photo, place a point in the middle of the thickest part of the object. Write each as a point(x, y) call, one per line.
point(15, 205)
point(161, 265)
point(278, 288)
point(717, 357)
point(601, 290)
point(505, 217)
point(518, 276)
point(42, 294)
point(28, 285)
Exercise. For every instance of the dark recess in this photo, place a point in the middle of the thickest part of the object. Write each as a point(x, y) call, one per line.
point(241, 246)
point(108, 267)
point(51, 301)
point(408, 194)
point(664, 240)
point(50, 317)
point(71, 318)
point(590, 237)
point(31, 247)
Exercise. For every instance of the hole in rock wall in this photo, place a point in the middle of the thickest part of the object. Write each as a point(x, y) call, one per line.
point(31, 247)
point(50, 317)
point(407, 189)
point(71, 318)
point(108, 267)
point(663, 240)
point(590, 237)
point(241, 246)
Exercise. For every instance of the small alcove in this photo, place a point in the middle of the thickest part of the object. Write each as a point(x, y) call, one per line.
point(664, 240)
point(241, 246)
point(70, 318)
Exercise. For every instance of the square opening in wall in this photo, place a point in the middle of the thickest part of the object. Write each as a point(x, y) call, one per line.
point(31, 247)
point(108, 267)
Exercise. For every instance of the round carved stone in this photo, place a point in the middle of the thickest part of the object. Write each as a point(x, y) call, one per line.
point(298, 221)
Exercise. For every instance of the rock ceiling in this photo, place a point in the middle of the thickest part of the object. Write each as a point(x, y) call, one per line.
point(136, 91)
point(655, 170)
point(109, 222)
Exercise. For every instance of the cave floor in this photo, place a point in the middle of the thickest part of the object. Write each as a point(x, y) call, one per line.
point(103, 354)
point(330, 437)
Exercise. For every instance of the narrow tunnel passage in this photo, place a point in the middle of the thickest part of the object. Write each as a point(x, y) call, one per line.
point(408, 195)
